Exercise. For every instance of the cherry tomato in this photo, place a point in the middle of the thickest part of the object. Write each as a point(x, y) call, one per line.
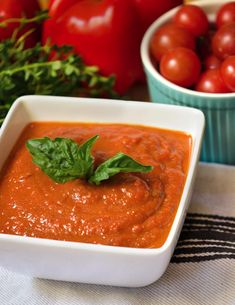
point(211, 82)
point(193, 19)
point(226, 14)
point(169, 37)
point(223, 42)
point(228, 72)
point(181, 66)
point(211, 62)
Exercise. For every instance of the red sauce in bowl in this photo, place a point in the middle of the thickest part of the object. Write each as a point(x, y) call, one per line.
point(131, 209)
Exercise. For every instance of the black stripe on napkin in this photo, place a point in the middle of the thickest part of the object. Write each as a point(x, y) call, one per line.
point(205, 237)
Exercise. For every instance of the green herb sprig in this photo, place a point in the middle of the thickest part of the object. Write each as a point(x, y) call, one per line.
point(63, 160)
point(45, 70)
point(38, 18)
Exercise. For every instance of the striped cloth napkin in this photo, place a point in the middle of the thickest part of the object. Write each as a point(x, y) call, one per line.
point(201, 272)
point(209, 229)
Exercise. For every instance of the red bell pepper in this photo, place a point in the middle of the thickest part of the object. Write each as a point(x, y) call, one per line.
point(30, 7)
point(150, 10)
point(16, 9)
point(106, 33)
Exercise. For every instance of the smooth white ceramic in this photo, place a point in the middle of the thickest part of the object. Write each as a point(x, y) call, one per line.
point(89, 263)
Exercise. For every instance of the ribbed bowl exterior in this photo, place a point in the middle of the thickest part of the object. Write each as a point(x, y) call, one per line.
point(219, 138)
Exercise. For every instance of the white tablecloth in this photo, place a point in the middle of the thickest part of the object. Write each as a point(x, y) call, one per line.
point(202, 271)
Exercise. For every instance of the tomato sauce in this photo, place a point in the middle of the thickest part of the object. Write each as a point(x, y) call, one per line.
point(130, 209)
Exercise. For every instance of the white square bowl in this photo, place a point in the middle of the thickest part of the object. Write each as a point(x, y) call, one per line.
point(90, 263)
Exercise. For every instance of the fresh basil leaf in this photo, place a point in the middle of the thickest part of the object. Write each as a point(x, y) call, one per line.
point(117, 164)
point(62, 159)
point(85, 155)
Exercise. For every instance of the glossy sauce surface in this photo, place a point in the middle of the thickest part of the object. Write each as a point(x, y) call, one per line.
point(132, 210)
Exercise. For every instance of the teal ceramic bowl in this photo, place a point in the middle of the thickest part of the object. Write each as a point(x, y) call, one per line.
point(219, 109)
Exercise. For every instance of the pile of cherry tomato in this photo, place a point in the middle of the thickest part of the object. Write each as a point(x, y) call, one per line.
point(192, 53)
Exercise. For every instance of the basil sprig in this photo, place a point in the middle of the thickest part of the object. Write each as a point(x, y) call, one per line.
point(63, 160)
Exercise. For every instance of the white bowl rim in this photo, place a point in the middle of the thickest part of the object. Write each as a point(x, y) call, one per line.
point(145, 55)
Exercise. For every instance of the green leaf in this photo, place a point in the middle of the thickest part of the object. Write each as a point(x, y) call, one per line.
point(62, 159)
point(117, 164)
point(26, 71)
point(85, 154)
